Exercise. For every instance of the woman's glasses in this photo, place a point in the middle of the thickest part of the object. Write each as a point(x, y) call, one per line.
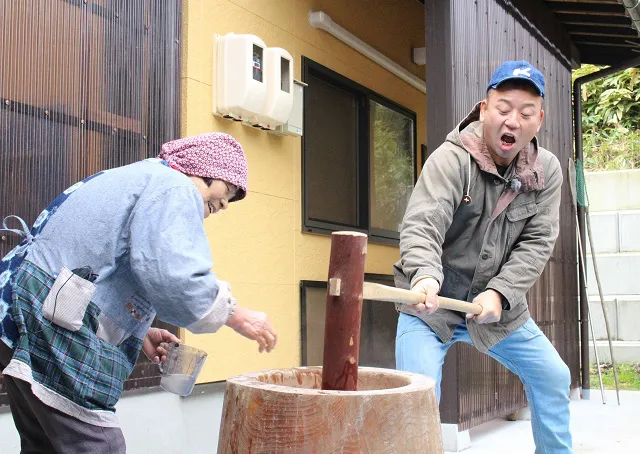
point(232, 191)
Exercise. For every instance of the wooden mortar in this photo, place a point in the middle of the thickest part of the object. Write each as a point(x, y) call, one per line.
point(286, 411)
point(340, 407)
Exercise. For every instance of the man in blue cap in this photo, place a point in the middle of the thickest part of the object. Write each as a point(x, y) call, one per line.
point(480, 226)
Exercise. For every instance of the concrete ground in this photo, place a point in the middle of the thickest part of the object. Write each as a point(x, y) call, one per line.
point(156, 422)
point(597, 428)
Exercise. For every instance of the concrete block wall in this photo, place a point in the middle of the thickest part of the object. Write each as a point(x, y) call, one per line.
point(617, 248)
point(615, 231)
point(614, 205)
point(622, 313)
point(613, 190)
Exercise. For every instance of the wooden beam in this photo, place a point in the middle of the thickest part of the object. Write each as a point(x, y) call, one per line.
point(595, 24)
point(604, 56)
point(545, 23)
point(600, 30)
point(598, 33)
point(605, 44)
point(590, 12)
point(598, 2)
point(438, 37)
point(576, 16)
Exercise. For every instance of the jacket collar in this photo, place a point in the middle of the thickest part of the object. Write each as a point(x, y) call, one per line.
point(528, 168)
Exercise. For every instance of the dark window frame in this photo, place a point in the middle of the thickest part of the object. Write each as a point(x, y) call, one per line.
point(385, 279)
point(364, 97)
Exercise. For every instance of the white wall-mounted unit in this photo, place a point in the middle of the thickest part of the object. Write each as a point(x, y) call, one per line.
point(240, 89)
point(293, 126)
point(278, 71)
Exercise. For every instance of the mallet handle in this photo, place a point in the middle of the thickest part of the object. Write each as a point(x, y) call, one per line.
point(378, 292)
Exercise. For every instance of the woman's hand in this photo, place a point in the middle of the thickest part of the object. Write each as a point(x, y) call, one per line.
point(156, 343)
point(255, 326)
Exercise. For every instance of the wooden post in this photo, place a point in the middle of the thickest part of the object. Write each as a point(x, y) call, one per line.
point(344, 311)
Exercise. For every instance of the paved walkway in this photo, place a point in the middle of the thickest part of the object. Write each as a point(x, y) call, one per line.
point(597, 428)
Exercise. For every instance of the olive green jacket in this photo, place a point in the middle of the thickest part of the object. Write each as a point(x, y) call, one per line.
point(501, 240)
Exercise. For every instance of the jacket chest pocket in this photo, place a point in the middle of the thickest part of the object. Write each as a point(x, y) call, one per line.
point(517, 217)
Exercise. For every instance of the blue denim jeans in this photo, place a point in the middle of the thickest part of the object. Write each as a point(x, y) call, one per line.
point(526, 352)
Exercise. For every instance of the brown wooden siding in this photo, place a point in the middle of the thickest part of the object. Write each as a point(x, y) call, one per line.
point(84, 86)
point(466, 41)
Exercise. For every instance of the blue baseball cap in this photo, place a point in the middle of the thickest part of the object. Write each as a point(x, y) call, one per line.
point(518, 70)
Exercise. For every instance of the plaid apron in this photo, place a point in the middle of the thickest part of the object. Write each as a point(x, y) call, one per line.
point(75, 367)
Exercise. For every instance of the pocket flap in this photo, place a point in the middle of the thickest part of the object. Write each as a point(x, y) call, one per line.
point(520, 212)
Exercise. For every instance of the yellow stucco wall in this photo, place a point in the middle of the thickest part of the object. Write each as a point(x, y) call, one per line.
point(257, 244)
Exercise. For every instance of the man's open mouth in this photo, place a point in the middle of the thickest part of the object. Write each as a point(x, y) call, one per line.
point(508, 139)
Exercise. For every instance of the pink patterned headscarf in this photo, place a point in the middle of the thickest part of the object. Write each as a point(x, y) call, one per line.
point(211, 155)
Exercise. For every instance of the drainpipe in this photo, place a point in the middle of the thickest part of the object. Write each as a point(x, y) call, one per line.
point(577, 123)
point(633, 9)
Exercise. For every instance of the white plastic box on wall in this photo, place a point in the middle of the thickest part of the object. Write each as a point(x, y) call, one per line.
point(278, 70)
point(240, 89)
point(293, 126)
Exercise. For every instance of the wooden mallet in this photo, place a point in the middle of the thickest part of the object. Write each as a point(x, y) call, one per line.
point(345, 292)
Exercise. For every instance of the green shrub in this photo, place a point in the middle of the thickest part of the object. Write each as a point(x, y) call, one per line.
point(610, 120)
point(619, 150)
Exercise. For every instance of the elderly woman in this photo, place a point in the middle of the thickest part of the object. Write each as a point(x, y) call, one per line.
point(109, 254)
